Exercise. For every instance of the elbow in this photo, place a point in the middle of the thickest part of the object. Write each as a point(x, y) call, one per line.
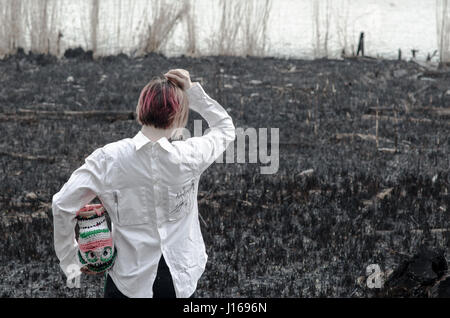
point(231, 131)
point(56, 203)
point(231, 134)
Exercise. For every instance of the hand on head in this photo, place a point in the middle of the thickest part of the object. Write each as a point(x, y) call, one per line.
point(180, 78)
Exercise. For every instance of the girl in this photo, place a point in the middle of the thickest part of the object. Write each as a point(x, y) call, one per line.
point(148, 184)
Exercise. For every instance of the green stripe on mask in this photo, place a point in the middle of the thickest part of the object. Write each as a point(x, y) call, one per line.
point(90, 233)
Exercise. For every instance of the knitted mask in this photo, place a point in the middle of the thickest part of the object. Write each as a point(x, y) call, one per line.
point(96, 248)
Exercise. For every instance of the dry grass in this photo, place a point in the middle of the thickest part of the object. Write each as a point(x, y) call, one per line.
point(42, 23)
point(110, 24)
point(35, 25)
point(341, 18)
point(321, 27)
point(226, 41)
point(242, 28)
point(12, 30)
point(191, 30)
point(94, 23)
point(443, 29)
point(255, 27)
point(30, 24)
point(163, 18)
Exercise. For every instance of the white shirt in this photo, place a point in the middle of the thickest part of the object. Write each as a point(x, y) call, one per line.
point(150, 192)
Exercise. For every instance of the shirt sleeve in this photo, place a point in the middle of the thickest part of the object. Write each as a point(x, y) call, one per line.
point(206, 149)
point(82, 187)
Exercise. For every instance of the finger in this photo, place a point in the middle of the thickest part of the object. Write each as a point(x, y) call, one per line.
point(172, 70)
point(175, 78)
point(173, 81)
point(182, 73)
point(179, 72)
point(174, 75)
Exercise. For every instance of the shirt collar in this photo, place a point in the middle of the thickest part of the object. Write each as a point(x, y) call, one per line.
point(141, 140)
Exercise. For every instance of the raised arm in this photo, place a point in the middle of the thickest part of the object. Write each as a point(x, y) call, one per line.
point(203, 151)
point(208, 148)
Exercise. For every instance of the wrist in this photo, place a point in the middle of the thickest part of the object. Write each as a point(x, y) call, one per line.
point(191, 84)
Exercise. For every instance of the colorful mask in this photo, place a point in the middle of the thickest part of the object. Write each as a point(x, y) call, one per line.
point(96, 248)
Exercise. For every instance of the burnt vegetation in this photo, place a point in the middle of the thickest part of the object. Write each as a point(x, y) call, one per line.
point(363, 176)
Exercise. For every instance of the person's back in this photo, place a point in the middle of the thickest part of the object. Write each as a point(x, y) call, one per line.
point(148, 184)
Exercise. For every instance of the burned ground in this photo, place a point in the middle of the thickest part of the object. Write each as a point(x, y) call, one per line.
point(363, 176)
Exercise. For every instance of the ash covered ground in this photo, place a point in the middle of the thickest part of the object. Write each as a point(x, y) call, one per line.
point(341, 200)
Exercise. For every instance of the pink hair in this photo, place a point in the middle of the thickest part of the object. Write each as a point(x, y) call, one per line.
point(161, 104)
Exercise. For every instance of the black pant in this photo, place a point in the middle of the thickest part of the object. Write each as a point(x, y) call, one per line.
point(162, 287)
